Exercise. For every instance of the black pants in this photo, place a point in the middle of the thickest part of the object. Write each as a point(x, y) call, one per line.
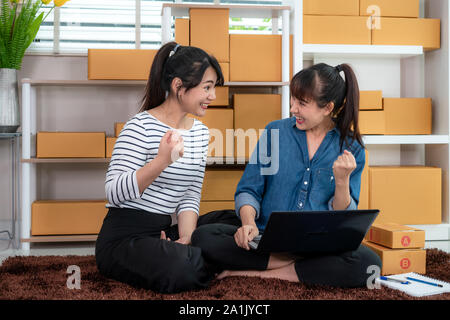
point(129, 249)
point(347, 269)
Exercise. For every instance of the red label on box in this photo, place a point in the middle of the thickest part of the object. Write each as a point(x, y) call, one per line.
point(405, 263)
point(406, 241)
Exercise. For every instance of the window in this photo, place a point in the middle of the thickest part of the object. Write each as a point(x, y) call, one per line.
point(83, 24)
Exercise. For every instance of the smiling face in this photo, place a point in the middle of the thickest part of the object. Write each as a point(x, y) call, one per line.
point(309, 116)
point(196, 100)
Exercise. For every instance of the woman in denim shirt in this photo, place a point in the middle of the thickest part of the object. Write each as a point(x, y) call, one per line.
point(311, 161)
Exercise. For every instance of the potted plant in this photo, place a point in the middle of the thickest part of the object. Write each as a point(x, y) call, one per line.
point(20, 21)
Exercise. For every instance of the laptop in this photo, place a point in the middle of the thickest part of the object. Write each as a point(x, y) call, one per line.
point(309, 232)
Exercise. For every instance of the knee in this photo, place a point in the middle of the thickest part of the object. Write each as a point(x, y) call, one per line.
point(368, 257)
point(202, 237)
point(185, 273)
point(363, 265)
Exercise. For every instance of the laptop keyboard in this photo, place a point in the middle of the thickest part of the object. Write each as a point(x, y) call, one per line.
point(255, 242)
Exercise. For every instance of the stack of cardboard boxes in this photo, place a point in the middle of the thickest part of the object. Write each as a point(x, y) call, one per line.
point(399, 247)
point(368, 22)
point(63, 217)
point(396, 116)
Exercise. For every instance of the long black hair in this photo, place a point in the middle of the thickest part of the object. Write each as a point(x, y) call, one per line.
point(324, 84)
point(176, 61)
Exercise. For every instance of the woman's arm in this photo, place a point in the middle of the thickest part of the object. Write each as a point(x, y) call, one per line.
point(167, 153)
point(189, 205)
point(250, 188)
point(187, 222)
point(249, 230)
point(342, 169)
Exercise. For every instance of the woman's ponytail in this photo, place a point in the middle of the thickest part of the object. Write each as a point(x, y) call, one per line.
point(347, 116)
point(154, 91)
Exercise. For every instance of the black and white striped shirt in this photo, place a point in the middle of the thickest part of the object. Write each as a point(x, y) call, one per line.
point(178, 187)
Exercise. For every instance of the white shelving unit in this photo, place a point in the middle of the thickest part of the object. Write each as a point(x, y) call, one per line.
point(311, 51)
point(433, 66)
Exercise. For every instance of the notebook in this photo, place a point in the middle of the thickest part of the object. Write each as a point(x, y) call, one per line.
point(414, 288)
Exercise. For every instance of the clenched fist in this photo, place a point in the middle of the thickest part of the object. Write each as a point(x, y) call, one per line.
point(344, 166)
point(171, 147)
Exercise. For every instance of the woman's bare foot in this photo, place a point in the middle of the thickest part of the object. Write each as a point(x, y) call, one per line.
point(286, 272)
point(223, 274)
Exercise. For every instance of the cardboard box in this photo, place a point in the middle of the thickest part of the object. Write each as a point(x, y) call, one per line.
point(218, 122)
point(252, 113)
point(389, 8)
point(209, 30)
point(406, 31)
point(118, 126)
point(396, 236)
point(67, 217)
point(364, 191)
point(208, 206)
point(255, 57)
point(397, 261)
point(110, 142)
point(406, 195)
point(407, 115)
point(220, 184)
point(120, 64)
point(222, 97)
point(336, 30)
point(182, 31)
point(372, 122)
point(371, 100)
point(70, 145)
point(225, 66)
point(331, 7)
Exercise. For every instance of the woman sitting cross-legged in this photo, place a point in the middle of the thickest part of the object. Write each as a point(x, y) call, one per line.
point(321, 157)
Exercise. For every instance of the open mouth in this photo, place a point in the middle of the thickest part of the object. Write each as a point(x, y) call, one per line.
point(300, 120)
point(204, 106)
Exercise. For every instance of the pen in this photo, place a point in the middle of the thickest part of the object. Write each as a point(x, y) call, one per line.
point(394, 280)
point(426, 282)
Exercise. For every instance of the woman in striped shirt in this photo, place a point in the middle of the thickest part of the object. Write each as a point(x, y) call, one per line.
point(156, 171)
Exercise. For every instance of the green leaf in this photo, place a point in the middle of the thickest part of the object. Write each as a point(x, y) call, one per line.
point(18, 28)
point(34, 28)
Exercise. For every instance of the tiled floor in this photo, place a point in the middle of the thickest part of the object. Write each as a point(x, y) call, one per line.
point(43, 249)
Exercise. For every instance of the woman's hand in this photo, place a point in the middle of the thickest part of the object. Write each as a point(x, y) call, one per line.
point(182, 240)
point(171, 147)
point(343, 167)
point(163, 236)
point(245, 234)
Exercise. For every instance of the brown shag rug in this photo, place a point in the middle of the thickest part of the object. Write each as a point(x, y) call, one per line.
point(45, 278)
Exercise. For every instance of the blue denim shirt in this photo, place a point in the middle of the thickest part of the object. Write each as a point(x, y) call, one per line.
point(281, 177)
